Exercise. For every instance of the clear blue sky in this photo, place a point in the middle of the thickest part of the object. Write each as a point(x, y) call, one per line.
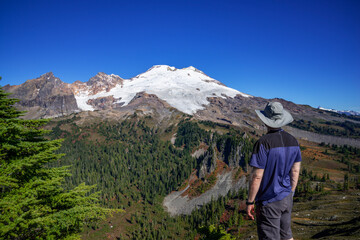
point(307, 52)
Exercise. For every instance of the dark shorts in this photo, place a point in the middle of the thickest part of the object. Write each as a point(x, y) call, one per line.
point(274, 219)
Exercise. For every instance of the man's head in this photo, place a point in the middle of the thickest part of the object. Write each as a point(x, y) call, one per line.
point(274, 115)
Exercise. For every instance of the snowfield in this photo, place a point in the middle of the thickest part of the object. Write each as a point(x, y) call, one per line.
point(185, 89)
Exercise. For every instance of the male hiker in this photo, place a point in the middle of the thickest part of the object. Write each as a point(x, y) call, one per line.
point(276, 165)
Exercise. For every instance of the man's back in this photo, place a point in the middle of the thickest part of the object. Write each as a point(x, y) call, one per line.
point(275, 152)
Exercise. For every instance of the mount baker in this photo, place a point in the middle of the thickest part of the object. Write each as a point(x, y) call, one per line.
point(188, 90)
point(161, 90)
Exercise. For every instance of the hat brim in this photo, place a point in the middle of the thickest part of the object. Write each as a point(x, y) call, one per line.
point(284, 120)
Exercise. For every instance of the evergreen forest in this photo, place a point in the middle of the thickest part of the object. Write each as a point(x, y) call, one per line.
point(132, 164)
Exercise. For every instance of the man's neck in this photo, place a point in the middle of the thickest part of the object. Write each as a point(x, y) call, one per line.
point(271, 130)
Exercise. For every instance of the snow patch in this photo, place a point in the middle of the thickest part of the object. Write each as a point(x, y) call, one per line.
point(346, 112)
point(81, 98)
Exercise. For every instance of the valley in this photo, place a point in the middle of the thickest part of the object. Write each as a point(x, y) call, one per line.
point(325, 202)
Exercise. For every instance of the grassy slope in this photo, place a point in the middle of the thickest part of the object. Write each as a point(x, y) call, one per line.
point(332, 214)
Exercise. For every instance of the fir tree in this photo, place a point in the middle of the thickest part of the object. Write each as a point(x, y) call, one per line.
point(33, 203)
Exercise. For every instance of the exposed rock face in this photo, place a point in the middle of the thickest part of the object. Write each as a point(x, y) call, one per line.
point(46, 96)
point(232, 155)
point(150, 104)
point(235, 111)
point(103, 103)
point(99, 83)
point(208, 163)
point(102, 81)
point(228, 151)
point(176, 204)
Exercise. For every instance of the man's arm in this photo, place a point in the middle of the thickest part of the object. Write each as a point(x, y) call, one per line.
point(294, 175)
point(255, 181)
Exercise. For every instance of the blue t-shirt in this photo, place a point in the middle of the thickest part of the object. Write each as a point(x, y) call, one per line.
point(275, 152)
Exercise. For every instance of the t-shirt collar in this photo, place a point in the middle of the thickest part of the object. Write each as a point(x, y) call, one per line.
point(275, 130)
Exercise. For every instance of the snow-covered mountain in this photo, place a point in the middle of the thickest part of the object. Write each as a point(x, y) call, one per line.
point(346, 112)
point(185, 89)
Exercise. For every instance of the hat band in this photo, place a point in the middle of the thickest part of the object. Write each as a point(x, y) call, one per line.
point(271, 115)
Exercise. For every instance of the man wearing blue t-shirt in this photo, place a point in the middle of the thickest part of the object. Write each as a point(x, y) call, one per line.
point(276, 165)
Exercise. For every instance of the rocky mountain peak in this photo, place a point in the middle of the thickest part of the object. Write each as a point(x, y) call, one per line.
point(103, 82)
point(45, 96)
point(103, 78)
point(46, 82)
point(48, 75)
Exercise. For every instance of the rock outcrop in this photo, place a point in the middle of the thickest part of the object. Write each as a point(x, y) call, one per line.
point(207, 163)
point(101, 82)
point(46, 96)
point(103, 103)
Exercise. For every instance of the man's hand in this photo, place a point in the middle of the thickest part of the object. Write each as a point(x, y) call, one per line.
point(255, 181)
point(250, 210)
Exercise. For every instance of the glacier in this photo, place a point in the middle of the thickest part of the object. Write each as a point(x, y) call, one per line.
point(185, 89)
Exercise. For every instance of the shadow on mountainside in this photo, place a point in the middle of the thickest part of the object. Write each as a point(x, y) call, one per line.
point(349, 228)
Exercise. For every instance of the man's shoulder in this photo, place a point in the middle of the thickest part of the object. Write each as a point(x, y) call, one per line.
point(279, 139)
point(290, 139)
point(264, 140)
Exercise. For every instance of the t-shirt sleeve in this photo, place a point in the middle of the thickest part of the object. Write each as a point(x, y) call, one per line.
point(259, 156)
point(298, 156)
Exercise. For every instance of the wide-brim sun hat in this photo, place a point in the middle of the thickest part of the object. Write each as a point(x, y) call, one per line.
point(274, 115)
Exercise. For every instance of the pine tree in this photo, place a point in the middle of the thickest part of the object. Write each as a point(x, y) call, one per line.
point(33, 203)
point(346, 182)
